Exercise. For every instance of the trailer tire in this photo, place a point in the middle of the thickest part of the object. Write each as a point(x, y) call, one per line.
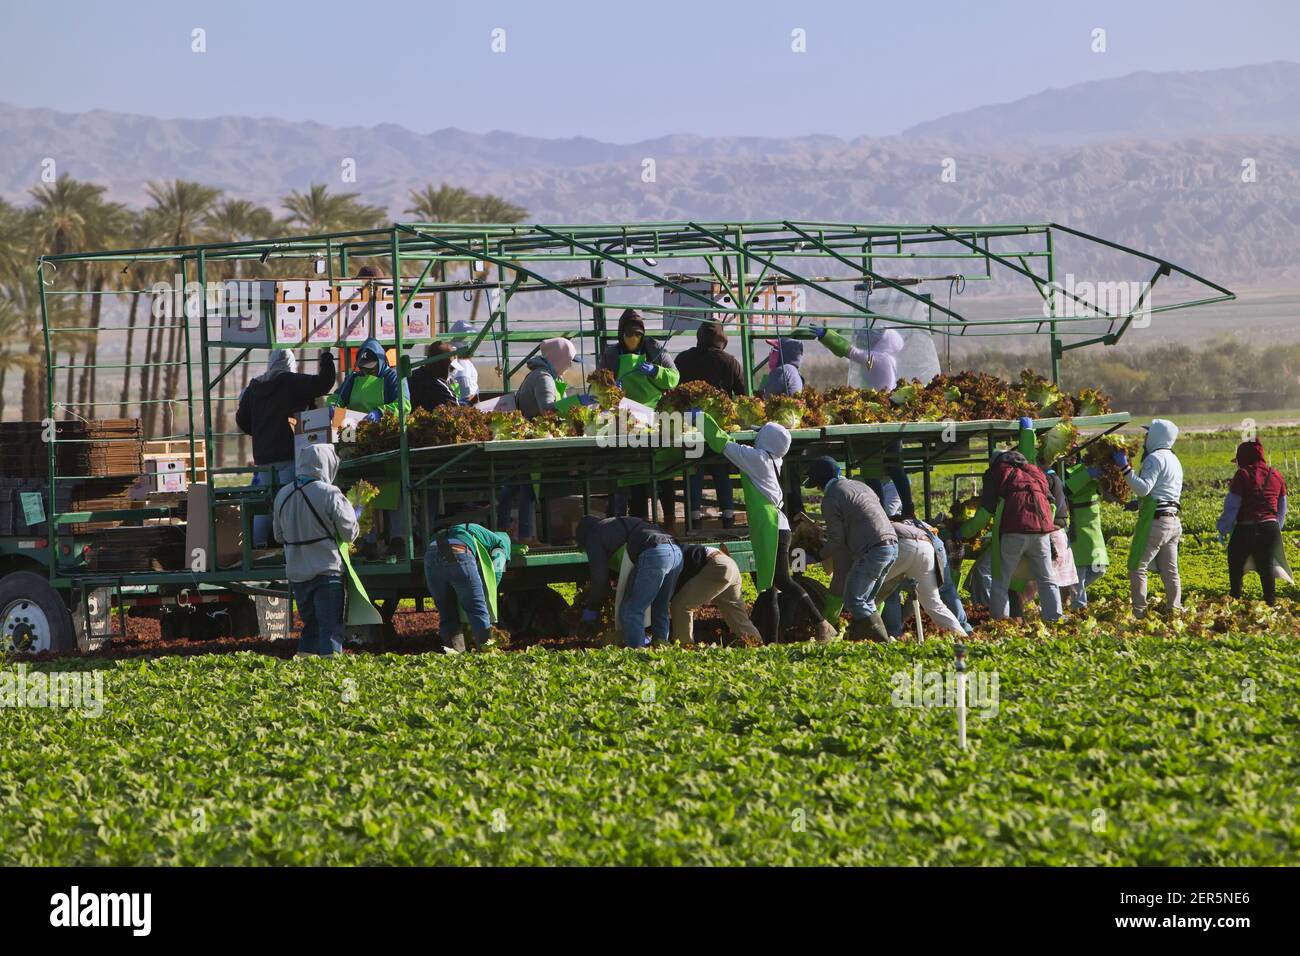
point(33, 616)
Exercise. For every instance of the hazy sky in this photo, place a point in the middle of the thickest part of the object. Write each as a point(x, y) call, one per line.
point(617, 70)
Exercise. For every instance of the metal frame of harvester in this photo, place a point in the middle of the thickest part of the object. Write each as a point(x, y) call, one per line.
point(734, 263)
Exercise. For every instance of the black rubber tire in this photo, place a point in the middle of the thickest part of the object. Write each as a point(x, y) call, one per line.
point(34, 588)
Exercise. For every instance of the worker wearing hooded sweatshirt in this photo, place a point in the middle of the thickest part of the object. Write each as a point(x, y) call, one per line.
point(919, 562)
point(879, 361)
point(541, 391)
point(656, 563)
point(464, 373)
point(314, 520)
point(1016, 498)
point(709, 362)
point(769, 528)
point(785, 378)
point(861, 543)
point(644, 370)
point(430, 383)
point(462, 568)
point(265, 408)
point(1159, 486)
point(373, 387)
point(640, 364)
point(1254, 513)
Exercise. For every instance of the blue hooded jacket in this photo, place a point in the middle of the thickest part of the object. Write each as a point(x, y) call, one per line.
point(385, 372)
point(785, 379)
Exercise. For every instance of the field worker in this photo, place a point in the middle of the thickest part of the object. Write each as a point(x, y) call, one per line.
point(879, 361)
point(785, 378)
point(656, 562)
point(1254, 513)
point(1063, 570)
point(462, 568)
point(540, 391)
point(1159, 486)
point(1015, 497)
point(464, 373)
point(892, 612)
point(644, 370)
point(769, 528)
point(374, 387)
point(861, 543)
point(266, 406)
point(314, 521)
point(430, 382)
point(1087, 543)
point(708, 361)
point(920, 563)
point(641, 365)
point(709, 576)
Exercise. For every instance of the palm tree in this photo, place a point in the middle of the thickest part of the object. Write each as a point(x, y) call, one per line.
point(494, 209)
point(108, 223)
point(444, 204)
point(146, 231)
point(182, 206)
point(316, 211)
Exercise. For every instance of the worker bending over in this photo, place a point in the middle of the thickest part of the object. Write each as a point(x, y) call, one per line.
point(709, 576)
point(656, 563)
point(462, 569)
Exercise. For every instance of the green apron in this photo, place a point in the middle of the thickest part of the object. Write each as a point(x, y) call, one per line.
point(486, 572)
point(1142, 533)
point(1089, 544)
point(367, 395)
point(646, 389)
point(360, 609)
point(762, 515)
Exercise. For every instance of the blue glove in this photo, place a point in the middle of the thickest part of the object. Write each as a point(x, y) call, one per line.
point(375, 415)
point(1094, 472)
point(356, 511)
point(618, 383)
point(1120, 459)
point(646, 368)
point(818, 331)
point(589, 616)
point(1026, 421)
point(586, 399)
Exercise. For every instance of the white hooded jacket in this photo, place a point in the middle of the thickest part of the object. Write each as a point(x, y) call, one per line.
point(1161, 476)
point(311, 516)
point(762, 464)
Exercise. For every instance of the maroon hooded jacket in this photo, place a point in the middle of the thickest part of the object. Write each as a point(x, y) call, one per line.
point(1257, 484)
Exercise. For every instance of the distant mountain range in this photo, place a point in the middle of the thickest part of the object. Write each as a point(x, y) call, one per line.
point(1154, 160)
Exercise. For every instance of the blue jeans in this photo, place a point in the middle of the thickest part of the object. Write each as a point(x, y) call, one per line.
point(652, 583)
point(865, 577)
point(1087, 575)
point(320, 605)
point(1038, 551)
point(456, 585)
point(277, 475)
point(720, 475)
point(506, 503)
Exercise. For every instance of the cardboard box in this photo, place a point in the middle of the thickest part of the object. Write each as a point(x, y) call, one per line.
point(322, 323)
point(324, 426)
point(354, 315)
point(167, 475)
point(417, 319)
point(385, 323)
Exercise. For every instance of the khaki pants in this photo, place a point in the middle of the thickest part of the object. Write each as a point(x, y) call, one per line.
point(717, 583)
point(1162, 547)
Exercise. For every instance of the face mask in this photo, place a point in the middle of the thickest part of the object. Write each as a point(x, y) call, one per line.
point(773, 360)
point(632, 341)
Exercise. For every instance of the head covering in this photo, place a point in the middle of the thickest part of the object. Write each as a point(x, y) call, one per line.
point(586, 527)
point(280, 362)
point(773, 439)
point(630, 321)
point(461, 330)
point(789, 351)
point(821, 472)
point(1252, 467)
point(316, 461)
point(372, 347)
point(884, 340)
point(1161, 433)
point(559, 352)
point(710, 336)
point(440, 354)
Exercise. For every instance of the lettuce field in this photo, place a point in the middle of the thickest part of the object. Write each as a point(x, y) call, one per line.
point(1099, 741)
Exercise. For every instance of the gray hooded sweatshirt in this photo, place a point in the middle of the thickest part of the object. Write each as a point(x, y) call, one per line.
point(762, 464)
point(855, 523)
point(1161, 475)
point(311, 516)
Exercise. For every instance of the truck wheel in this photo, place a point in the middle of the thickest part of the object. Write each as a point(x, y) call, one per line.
point(33, 617)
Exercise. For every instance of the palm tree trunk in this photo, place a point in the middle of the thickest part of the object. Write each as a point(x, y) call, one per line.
point(126, 372)
point(33, 379)
point(4, 373)
point(86, 387)
point(146, 409)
